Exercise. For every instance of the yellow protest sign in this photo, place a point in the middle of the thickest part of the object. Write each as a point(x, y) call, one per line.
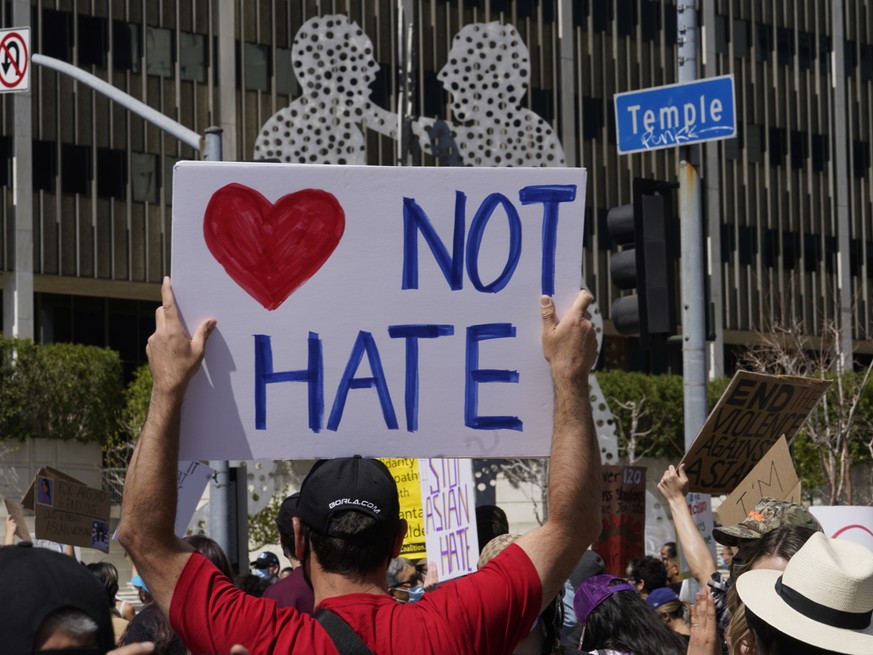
point(405, 472)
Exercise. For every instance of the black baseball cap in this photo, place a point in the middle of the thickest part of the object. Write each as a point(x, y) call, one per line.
point(265, 560)
point(38, 582)
point(287, 511)
point(347, 483)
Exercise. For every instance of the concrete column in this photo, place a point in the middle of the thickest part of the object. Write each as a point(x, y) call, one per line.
point(18, 284)
point(227, 77)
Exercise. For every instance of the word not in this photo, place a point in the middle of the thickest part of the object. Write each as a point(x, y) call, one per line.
point(365, 346)
point(416, 221)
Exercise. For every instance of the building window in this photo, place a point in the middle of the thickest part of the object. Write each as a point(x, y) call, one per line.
point(126, 50)
point(6, 160)
point(600, 15)
point(820, 153)
point(763, 42)
point(159, 52)
point(45, 165)
point(144, 177)
point(740, 38)
point(867, 63)
point(542, 104)
point(721, 35)
point(849, 58)
point(75, 168)
point(192, 57)
point(286, 81)
point(91, 44)
point(824, 53)
point(625, 11)
point(790, 249)
point(650, 20)
point(811, 252)
point(580, 13)
point(805, 50)
point(592, 117)
point(799, 149)
point(753, 137)
point(860, 158)
point(57, 35)
point(111, 173)
point(257, 73)
point(785, 46)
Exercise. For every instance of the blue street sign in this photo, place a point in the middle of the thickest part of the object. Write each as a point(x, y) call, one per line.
point(676, 114)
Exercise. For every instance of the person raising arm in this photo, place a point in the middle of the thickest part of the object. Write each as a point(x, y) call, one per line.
point(148, 508)
point(570, 347)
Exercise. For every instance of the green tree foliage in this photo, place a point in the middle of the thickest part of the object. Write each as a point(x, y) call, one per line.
point(262, 526)
point(58, 391)
point(117, 452)
point(648, 411)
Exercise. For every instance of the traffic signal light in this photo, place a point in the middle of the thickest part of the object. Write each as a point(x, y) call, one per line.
point(645, 262)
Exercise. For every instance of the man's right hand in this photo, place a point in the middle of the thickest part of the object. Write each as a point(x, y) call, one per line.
point(570, 345)
point(174, 357)
point(674, 484)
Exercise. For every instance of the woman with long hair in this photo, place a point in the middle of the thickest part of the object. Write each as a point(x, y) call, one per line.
point(772, 551)
point(615, 619)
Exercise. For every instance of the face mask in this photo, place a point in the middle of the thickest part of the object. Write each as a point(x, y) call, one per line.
point(415, 593)
point(263, 573)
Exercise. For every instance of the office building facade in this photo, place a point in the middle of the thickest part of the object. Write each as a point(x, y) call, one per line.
point(788, 204)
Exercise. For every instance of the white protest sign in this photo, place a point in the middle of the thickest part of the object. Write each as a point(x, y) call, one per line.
point(850, 522)
point(700, 506)
point(372, 310)
point(448, 494)
point(192, 480)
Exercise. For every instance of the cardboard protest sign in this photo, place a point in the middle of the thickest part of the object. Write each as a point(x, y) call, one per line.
point(753, 412)
point(405, 473)
point(72, 513)
point(623, 512)
point(850, 522)
point(192, 480)
point(449, 496)
point(372, 310)
point(49, 473)
point(15, 511)
point(773, 476)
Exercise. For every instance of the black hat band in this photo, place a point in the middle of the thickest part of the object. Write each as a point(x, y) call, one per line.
point(822, 613)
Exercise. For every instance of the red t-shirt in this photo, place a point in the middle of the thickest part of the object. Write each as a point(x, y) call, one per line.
point(489, 611)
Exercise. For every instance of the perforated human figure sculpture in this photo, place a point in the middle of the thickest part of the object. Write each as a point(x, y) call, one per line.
point(487, 75)
point(335, 65)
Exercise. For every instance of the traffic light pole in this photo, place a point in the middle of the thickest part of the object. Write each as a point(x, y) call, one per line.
point(691, 220)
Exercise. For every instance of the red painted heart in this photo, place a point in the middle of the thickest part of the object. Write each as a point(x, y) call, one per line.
point(270, 249)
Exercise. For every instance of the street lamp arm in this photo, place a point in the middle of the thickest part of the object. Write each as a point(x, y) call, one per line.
point(187, 136)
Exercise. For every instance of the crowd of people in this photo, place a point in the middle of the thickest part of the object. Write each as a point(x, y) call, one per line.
point(788, 590)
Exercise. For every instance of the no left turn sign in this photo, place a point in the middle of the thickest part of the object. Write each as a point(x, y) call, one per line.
point(15, 59)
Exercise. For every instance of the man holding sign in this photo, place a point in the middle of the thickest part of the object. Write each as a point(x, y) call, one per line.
point(349, 527)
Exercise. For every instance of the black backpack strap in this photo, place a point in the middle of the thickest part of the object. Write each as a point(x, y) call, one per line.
point(345, 639)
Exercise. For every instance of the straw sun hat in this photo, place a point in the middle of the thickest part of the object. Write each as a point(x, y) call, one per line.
point(823, 598)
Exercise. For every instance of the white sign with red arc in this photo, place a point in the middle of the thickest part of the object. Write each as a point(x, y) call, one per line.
point(15, 59)
point(851, 522)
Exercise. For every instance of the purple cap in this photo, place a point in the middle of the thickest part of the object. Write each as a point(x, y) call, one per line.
point(660, 596)
point(594, 591)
